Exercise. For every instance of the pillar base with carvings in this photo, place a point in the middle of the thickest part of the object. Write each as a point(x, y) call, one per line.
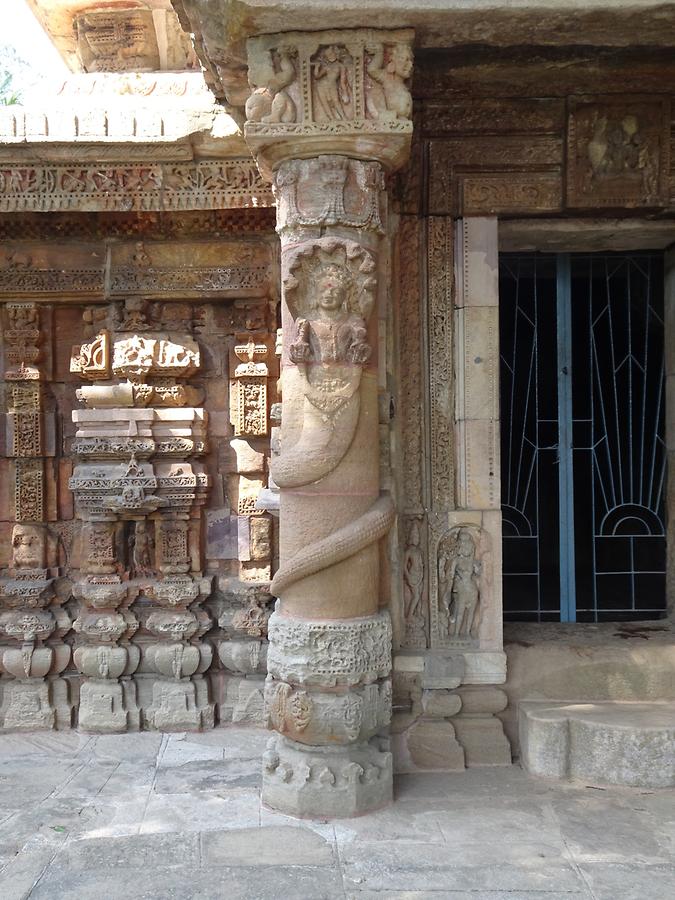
point(328, 695)
point(309, 781)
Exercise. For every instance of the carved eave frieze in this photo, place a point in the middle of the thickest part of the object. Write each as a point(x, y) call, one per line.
point(330, 92)
point(115, 185)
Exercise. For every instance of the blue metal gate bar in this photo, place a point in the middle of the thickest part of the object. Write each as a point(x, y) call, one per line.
point(568, 604)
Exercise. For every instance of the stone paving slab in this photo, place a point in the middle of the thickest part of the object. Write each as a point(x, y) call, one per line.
point(156, 817)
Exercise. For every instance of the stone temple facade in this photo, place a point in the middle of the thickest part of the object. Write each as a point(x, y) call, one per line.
point(251, 350)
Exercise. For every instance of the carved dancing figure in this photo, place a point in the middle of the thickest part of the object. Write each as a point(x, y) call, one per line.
point(413, 575)
point(270, 102)
point(460, 593)
point(332, 83)
point(393, 99)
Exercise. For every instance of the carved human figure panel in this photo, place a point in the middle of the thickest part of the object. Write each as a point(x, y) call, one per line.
point(23, 316)
point(332, 82)
point(413, 575)
point(459, 571)
point(142, 547)
point(387, 96)
point(334, 333)
point(273, 78)
point(28, 547)
point(617, 150)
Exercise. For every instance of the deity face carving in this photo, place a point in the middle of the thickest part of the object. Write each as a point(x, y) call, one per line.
point(331, 290)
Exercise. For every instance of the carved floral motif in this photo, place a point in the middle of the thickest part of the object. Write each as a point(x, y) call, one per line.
point(329, 653)
point(143, 186)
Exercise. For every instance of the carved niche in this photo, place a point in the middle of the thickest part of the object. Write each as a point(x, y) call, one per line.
point(460, 586)
point(248, 389)
point(414, 565)
point(618, 151)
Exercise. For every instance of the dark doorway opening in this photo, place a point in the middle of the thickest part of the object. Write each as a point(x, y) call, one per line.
point(583, 459)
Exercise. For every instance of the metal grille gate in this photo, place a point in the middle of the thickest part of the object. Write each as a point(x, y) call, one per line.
point(582, 436)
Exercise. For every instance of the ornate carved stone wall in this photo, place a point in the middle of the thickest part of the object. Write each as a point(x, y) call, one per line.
point(128, 494)
point(516, 133)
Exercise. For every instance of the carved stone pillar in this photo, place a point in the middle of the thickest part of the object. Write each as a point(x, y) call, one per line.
point(329, 116)
point(32, 620)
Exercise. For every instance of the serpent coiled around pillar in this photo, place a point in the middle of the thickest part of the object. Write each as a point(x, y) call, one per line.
point(336, 547)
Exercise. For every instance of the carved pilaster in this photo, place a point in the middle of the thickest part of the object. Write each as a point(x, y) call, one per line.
point(138, 486)
point(32, 620)
point(329, 114)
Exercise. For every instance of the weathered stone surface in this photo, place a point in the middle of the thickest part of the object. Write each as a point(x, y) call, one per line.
point(609, 743)
point(341, 782)
point(269, 846)
point(632, 662)
point(152, 38)
point(432, 745)
point(221, 37)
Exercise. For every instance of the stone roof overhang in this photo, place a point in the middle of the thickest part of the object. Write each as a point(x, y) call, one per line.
point(111, 142)
point(220, 28)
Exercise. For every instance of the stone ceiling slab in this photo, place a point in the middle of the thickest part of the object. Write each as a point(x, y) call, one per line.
point(221, 29)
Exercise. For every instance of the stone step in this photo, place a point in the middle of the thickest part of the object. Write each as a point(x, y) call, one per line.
point(624, 743)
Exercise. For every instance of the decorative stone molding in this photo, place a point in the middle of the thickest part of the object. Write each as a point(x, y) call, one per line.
point(144, 186)
point(316, 92)
point(329, 190)
point(140, 572)
point(133, 268)
point(440, 344)
point(112, 38)
point(248, 389)
point(319, 718)
point(349, 780)
point(328, 653)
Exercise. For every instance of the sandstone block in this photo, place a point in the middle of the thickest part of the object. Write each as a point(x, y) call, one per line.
point(433, 746)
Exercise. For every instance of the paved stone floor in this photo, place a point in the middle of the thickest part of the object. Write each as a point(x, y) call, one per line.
point(179, 816)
